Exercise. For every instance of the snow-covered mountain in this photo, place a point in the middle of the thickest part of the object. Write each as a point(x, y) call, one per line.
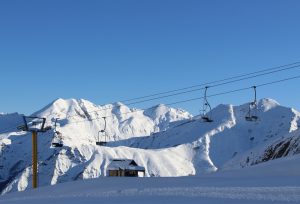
point(166, 141)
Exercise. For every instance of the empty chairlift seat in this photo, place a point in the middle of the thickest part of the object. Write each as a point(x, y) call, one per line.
point(206, 111)
point(57, 136)
point(252, 112)
point(102, 135)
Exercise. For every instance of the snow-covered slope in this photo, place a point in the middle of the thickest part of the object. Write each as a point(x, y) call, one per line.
point(166, 141)
point(285, 146)
point(273, 182)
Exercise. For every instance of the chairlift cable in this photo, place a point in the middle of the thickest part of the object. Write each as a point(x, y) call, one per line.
point(193, 90)
point(224, 82)
point(199, 98)
point(216, 85)
point(212, 82)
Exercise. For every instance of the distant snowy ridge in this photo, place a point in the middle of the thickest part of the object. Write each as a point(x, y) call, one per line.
point(166, 141)
point(123, 122)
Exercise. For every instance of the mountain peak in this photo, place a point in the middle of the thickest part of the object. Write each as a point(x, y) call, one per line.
point(267, 104)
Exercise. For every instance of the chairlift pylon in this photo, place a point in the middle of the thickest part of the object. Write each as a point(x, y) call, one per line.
point(57, 136)
point(102, 133)
point(206, 115)
point(252, 112)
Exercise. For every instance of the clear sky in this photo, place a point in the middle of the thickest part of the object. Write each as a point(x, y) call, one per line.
point(107, 51)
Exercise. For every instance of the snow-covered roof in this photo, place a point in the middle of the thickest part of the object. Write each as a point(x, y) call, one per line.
point(124, 164)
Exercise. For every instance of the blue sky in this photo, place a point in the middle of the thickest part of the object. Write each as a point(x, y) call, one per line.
point(107, 51)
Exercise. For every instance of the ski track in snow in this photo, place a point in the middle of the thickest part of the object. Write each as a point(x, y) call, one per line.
point(282, 194)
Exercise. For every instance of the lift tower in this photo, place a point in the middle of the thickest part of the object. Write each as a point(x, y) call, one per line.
point(34, 125)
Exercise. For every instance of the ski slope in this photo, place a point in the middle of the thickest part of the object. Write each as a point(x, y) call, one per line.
point(277, 181)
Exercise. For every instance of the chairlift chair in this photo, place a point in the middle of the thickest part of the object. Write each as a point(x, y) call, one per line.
point(102, 133)
point(252, 112)
point(206, 115)
point(99, 142)
point(57, 136)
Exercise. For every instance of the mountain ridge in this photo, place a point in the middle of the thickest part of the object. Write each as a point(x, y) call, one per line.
point(166, 141)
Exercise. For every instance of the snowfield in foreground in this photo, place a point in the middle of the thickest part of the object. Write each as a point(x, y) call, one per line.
point(277, 181)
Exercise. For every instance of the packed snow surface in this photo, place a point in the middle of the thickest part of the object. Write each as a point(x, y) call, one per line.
point(277, 181)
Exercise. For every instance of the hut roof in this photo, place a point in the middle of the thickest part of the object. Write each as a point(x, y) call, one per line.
point(124, 164)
